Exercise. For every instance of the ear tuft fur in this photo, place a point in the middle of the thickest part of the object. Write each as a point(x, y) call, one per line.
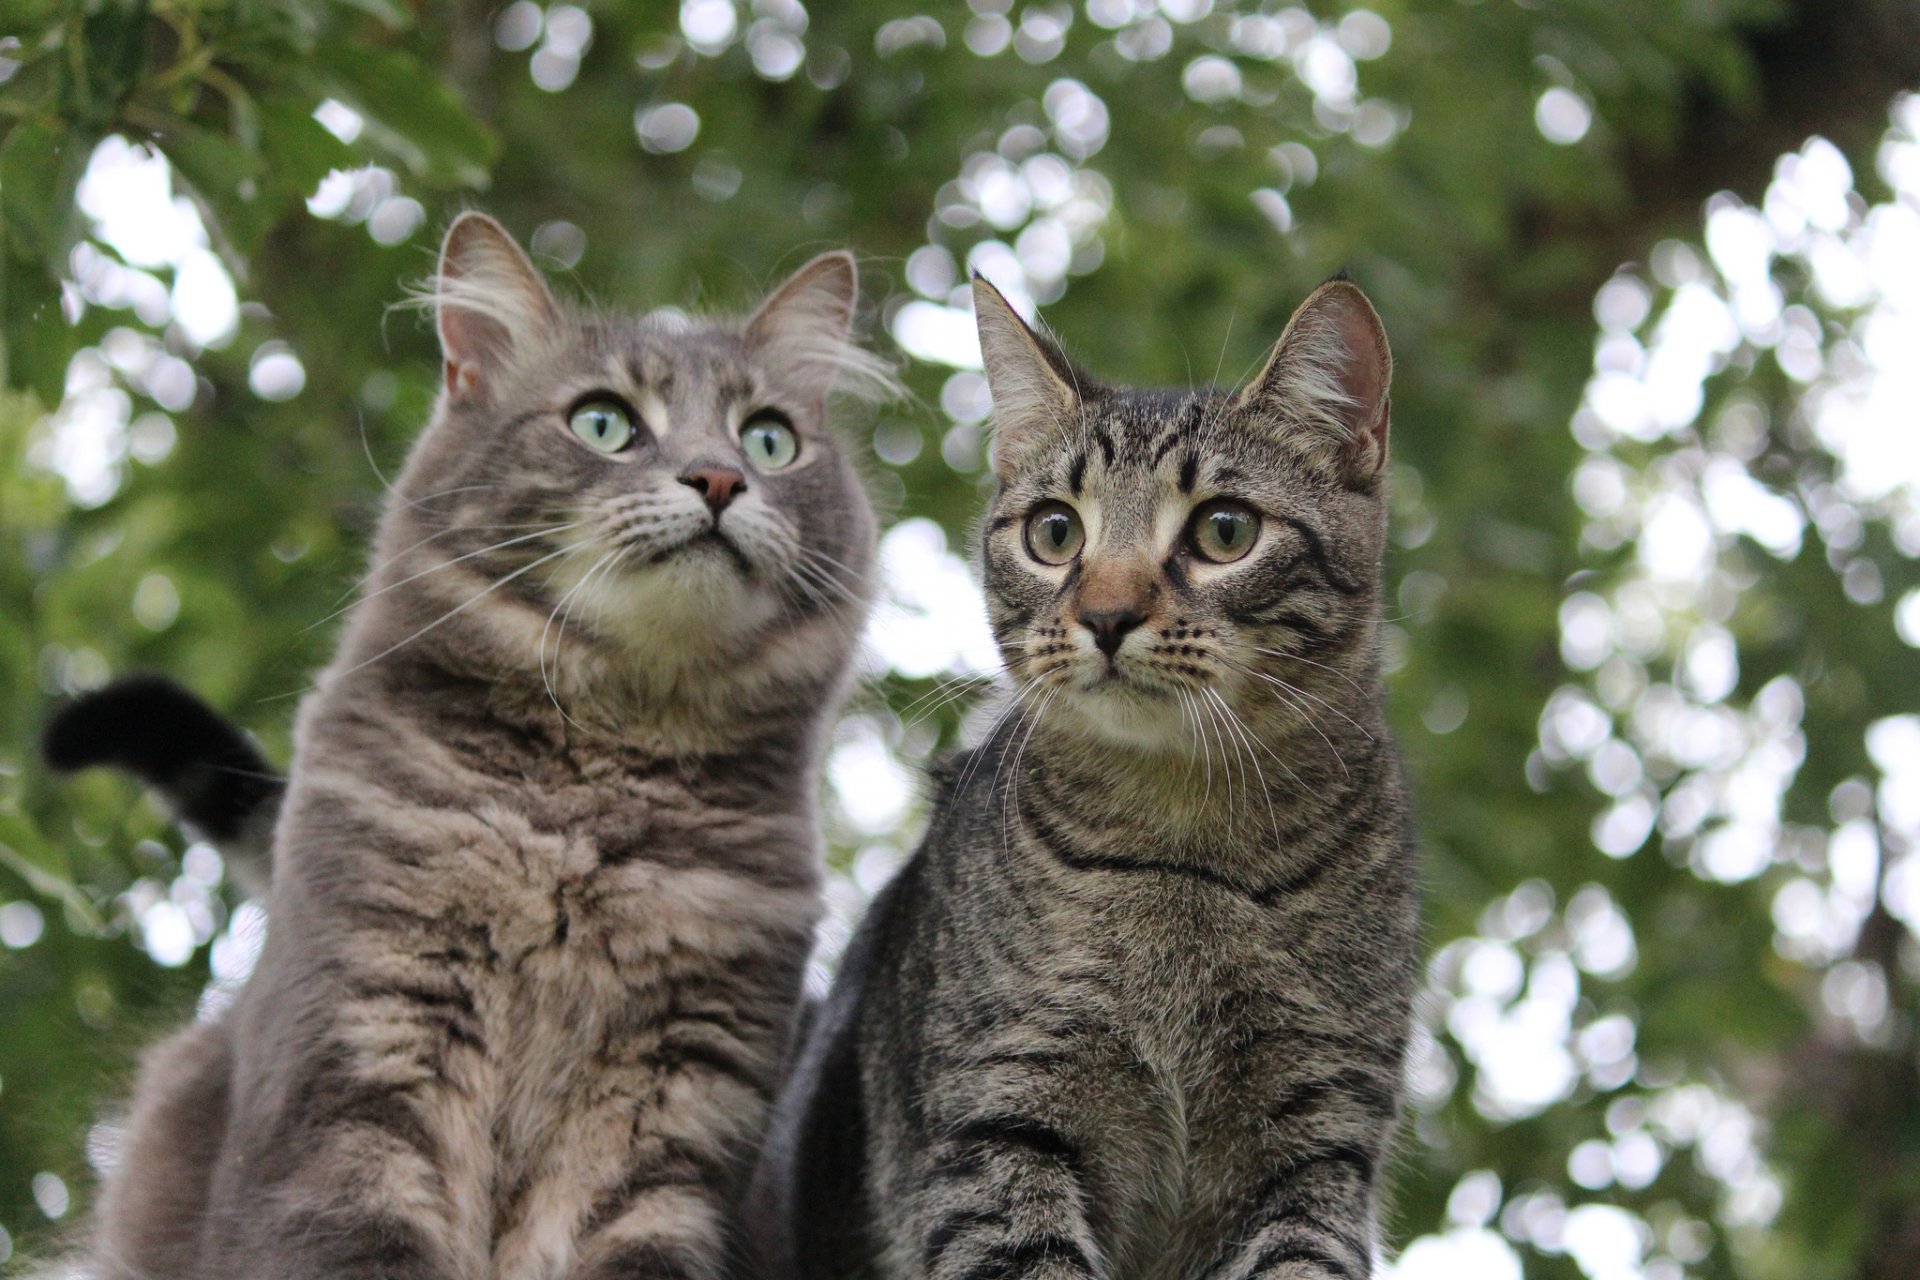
point(1035, 391)
point(1327, 379)
point(806, 326)
point(489, 301)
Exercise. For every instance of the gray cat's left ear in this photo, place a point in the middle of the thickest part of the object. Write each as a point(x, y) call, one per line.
point(805, 330)
point(1327, 380)
point(1033, 397)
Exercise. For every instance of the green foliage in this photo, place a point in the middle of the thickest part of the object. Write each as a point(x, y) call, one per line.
point(1168, 184)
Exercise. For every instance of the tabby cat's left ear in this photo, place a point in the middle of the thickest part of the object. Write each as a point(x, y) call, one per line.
point(489, 301)
point(1326, 380)
point(1031, 383)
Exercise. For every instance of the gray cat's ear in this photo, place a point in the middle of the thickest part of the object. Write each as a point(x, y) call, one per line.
point(805, 330)
point(488, 300)
point(1032, 385)
point(1327, 379)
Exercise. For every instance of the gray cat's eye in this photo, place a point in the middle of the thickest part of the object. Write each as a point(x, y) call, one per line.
point(1054, 533)
point(603, 424)
point(1224, 531)
point(769, 441)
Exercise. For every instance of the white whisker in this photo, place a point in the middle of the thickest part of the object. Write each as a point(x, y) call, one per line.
point(457, 610)
point(547, 678)
point(445, 564)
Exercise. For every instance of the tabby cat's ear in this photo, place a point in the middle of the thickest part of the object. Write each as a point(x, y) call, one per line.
point(1032, 384)
point(805, 330)
point(488, 299)
point(1327, 377)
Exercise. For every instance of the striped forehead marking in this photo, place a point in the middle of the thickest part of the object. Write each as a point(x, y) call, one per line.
point(649, 391)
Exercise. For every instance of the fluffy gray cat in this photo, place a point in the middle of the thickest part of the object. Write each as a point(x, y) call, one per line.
point(1138, 1005)
point(544, 877)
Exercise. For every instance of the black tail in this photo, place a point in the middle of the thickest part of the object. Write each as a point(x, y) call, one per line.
point(215, 780)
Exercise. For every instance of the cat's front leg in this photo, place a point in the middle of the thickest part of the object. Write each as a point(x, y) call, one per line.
point(655, 1259)
point(675, 1159)
point(1004, 1198)
point(1310, 1220)
point(365, 1167)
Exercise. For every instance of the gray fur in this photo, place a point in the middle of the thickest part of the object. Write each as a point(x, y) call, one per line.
point(1138, 1005)
point(545, 875)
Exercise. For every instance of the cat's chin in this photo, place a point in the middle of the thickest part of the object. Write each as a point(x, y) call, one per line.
point(1128, 714)
point(680, 611)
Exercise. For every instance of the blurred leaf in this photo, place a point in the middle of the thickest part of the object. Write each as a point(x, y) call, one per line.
point(40, 165)
point(409, 112)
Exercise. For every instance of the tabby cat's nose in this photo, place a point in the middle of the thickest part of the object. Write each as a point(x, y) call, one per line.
point(1110, 626)
point(717, 485)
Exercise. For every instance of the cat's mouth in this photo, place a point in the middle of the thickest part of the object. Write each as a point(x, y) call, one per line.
point(1113, 679)
point(709, 542)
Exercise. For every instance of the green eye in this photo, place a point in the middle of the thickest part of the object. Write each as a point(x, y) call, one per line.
point(1054, 533)
point(769, 440)
point(1224, 531)
point(602, 424)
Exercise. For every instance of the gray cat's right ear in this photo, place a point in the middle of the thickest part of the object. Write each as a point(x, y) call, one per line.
point(1033, 399)
point(1327, 379)
point(805, 329)
point(488, 300)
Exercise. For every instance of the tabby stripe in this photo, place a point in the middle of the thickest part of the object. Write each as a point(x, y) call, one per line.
point(1298, 1219)
point(1055, 843)
point(687, 1056)
point(1189, 472)
point(648, 1260)
point(1077, 473)
point(1352, 834)
point(1338, 1155)
point(949, 1227)
point(1105, 442)
point(328, 1098)
point(1317, 548)
point(457, 1000)
point(1008, 1261)
point(1022, 1058)
point(1286, 1251)
point(1354, 1085)
point(675, 1166)
point(383, 1245)
point(1037, 1136)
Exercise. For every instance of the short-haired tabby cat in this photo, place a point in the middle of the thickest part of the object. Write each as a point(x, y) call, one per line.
point(545, 873)
point(1138, 1005)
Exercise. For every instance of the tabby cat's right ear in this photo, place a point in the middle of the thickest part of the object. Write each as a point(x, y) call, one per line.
point(1326, 381)
point(488, 300)
point(1034, 398)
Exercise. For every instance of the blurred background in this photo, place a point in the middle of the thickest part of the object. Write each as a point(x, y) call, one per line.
point(1652, 273)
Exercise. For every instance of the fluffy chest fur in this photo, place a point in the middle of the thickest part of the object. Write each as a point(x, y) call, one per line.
point(548, 980)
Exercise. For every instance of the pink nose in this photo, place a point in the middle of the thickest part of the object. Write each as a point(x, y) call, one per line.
point(717, 485)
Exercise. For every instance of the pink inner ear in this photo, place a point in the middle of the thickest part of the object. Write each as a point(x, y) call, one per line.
point(463, 378)
point(1364, 375)
point(469, 342)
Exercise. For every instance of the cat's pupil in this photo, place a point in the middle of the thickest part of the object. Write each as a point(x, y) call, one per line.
point(1225, 528)
point(1057, 530)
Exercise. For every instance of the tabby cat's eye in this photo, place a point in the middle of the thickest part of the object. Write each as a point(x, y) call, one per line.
point(1054, 533)
point(603, 424)
point(1224, 531)
point(769, 440)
